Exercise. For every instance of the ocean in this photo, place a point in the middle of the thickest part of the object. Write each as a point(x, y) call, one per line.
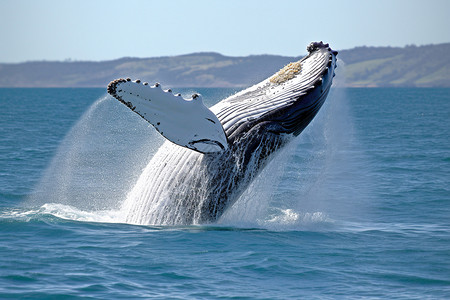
point(356, 207)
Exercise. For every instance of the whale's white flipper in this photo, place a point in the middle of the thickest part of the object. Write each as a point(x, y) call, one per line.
point(185, 122)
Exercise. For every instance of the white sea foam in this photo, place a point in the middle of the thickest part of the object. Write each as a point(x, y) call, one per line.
point(72, 213)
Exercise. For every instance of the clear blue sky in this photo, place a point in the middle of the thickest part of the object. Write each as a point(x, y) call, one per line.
point(104, 30)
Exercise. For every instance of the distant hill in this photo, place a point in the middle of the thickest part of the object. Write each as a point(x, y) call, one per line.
point(411, 66)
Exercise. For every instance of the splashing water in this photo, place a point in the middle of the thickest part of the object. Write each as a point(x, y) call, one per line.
point(95, 166)
point(180, 186)
point(101, 170)
point(310, 165)
point(310, 182)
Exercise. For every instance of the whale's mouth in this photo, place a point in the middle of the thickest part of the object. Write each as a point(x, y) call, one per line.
point(289, 99)
point(296, 115)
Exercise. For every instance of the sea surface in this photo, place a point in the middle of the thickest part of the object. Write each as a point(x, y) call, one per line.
point(357, 206)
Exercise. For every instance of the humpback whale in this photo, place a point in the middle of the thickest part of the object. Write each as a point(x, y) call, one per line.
point(212, 154)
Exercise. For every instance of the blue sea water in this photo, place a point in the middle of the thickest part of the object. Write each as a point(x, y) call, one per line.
point(358, 206)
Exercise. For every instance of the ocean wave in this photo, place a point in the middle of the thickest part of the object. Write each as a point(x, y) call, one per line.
point(278, 220)
point(59, 211)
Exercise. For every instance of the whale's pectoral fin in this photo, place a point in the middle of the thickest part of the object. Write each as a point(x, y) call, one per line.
point(185, 122)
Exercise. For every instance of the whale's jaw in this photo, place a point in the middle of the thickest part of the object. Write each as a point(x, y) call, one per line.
point(180, 186)
point(289, 100)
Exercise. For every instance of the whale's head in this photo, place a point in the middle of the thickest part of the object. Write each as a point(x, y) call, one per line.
point(284, 103)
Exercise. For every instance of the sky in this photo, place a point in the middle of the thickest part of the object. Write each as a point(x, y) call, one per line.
point(97, 30)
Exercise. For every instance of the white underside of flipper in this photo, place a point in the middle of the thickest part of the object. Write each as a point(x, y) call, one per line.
point(185, 122)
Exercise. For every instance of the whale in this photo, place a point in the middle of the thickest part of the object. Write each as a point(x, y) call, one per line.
point(212, 155)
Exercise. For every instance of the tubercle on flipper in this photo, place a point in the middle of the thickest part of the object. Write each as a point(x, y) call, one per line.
point(154, 104)
point(112, 90)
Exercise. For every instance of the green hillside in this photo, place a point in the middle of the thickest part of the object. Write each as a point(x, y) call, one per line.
point(424, 66)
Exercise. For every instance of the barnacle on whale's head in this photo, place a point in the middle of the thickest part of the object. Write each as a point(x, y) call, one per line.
point(286, 73)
